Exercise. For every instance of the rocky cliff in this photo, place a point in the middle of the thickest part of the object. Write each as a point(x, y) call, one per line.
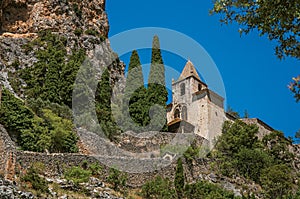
point(65, 16)
point(84, 24)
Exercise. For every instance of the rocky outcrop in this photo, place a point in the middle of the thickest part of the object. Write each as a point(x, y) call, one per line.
point(10, 191)
point(32, 16)
point(83, 24)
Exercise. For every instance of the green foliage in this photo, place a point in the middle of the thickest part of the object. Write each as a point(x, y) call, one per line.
point(237, 135)
point(14, 81)
point(103, 106)
point(78, 32)
point(51, 78)
point(95, 169)
point(297, 136)
point(33, 177)
point(293, 196)
point(294, 86)
point(117, 179)
point(91, 32)
point(163, 188)
point(47, 131)
point(191, 153)
point(246, 114)
point(135, 96)
point(207, 190)
point(38, 105)
point(77, 10)
point(157, 92)
point(158, 188)
point(251, 162)
point(232, 112)
point(267, 162)
point(179, 179)
point(279, 20)
point(277, 146)
point(14, 115)
point(77, 174)
point(36, 138)
point(63, 138)
point(276, 181)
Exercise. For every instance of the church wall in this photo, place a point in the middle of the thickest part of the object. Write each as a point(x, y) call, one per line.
point(216, 119)
point(197, 115)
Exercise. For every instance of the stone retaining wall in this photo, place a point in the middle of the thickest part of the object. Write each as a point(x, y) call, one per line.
point(7, 150)
point(57, 163)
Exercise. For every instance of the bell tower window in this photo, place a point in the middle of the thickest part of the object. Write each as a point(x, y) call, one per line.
point(182, 89)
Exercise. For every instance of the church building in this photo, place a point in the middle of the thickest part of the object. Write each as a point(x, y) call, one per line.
point(195, 108)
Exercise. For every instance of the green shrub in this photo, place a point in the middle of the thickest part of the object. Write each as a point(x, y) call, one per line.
point(47, 132)
point(77, 10)
point(102, 38)
point(207, 190)
point(51, 78)
point(158, 188)
point(95, 169)
point(117, 179)
point(33, 177)
point(91, 32)
point(276, 181)
point(14, 115)
point(78, 32)
point(77, 175)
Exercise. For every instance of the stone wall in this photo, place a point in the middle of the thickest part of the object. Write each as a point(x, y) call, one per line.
point(7, 150)
point(139, 170)
point(263, 128)
point(130, 144)
point(199, 169)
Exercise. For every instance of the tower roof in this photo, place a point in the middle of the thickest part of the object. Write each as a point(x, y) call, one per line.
point(189, 70)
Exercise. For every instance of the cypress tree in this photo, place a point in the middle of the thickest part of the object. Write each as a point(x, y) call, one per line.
point(135, 94)
point(157, 92)
point(179, 179)
point(103, 106)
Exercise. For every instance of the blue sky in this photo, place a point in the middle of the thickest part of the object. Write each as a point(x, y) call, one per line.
point(254, 78)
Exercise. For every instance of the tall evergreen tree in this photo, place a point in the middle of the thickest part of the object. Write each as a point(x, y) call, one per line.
point(135, 94)
point(157, 92)
point(103, 106)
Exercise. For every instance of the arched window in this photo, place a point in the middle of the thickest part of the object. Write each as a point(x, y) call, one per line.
point(176, 114)
point(182, 89)
point(184, 113)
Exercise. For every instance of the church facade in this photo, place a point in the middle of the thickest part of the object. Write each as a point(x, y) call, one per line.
point(195, 108)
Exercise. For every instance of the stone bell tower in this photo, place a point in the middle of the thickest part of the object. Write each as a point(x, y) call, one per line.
point(194, 107)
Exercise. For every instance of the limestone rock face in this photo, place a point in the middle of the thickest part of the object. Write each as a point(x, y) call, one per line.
point(31, 16)
point(84, 24)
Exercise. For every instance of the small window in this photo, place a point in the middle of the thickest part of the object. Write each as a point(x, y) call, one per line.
point(182, 89)
point(176, 114)
point(199, 87)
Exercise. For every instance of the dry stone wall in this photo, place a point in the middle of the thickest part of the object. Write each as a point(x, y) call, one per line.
point(7, 151)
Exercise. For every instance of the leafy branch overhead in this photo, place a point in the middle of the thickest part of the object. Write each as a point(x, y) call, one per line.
point(279, 20)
